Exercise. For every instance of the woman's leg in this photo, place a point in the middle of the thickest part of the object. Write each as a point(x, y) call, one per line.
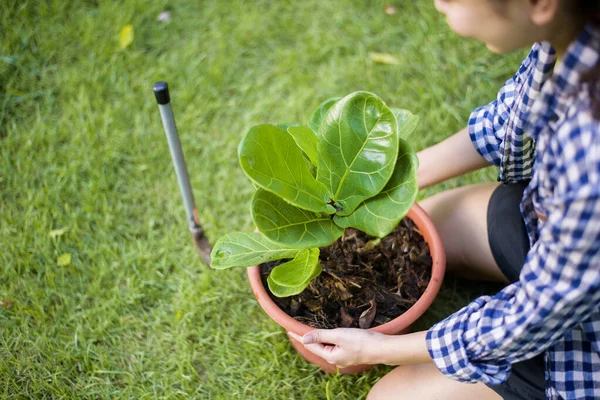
point(460, 216)
point(426, 382)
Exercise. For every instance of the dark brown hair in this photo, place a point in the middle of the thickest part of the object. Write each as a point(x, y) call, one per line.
point(591, 9)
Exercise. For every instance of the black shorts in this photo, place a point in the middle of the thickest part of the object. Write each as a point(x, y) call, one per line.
point(509, 243)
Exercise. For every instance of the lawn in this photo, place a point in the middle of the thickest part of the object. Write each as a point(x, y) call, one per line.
point(101, 292)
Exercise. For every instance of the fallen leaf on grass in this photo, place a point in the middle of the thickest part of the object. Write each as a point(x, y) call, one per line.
point(384, 58)
point(6, 303)
point(57, 232)
point(126, 36)
point(64, 260)
point(164, 16)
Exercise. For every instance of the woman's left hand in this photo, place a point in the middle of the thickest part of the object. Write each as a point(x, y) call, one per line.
point(343, 347)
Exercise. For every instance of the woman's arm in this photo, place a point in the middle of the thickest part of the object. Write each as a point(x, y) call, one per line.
point(452, 157)
point(347, 346)
point(404, 349)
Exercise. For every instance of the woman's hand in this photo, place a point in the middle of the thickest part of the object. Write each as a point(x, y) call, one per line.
point(343, 347)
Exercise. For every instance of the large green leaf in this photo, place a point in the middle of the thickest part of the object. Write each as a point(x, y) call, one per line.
point(285, 291)
point(358, 147)
point(407, 122)
point(312, 166)
point(271, 158)
point(247, 249)
point(307, 140)
point(285, 125)
point(379, 215)
point(317, 116)
point(292, 277)
point(292, 226)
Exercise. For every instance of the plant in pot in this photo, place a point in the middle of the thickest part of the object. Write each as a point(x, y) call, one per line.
point(330, 244)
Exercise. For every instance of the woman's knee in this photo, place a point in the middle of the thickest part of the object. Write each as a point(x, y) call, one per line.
point(425, 381)
point(460, 216)
point(393, 385)
point(406, 382)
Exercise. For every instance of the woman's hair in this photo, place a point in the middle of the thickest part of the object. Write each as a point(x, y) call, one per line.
point(591, 9)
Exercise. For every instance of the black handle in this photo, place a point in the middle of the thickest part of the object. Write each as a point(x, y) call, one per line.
point(161, 92)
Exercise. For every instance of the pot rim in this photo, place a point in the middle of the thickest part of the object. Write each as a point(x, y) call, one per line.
point(427, 229)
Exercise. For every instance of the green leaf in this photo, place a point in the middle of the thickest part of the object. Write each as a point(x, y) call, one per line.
point(291, 226)
point(297, 271)
point(271, 158)
point(285, 125)
point(307, 140)
point(64, 260)
point(317, 116)
point(126, 36)
point(247, 249)
point(311, 163)
point(285, 291)
point(384, 58)
point(379, 215)
point(294, 276)
point(57, 232)
point(407, 122)
point(358, 147)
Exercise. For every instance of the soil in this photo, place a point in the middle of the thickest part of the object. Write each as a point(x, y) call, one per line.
point(365, 281)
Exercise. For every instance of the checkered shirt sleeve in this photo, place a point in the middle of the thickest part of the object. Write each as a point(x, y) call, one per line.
point(559, 286)
point(486, 124)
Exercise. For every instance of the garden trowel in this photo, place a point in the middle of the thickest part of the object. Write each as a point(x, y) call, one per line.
point(161, 91)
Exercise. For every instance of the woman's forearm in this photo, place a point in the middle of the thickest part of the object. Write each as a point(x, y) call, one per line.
point(404, 349)
point(452, 157)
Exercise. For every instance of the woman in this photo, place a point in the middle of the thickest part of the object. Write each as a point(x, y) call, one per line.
point(538, 231)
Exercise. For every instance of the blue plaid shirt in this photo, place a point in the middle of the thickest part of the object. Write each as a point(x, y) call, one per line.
point(540, 128)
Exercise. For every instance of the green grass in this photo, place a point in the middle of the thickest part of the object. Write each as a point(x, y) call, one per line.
point(136, 314)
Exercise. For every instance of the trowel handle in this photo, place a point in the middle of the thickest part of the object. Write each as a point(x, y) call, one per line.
point(161, 92)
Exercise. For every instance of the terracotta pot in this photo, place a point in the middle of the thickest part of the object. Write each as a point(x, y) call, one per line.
point(396, 326)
